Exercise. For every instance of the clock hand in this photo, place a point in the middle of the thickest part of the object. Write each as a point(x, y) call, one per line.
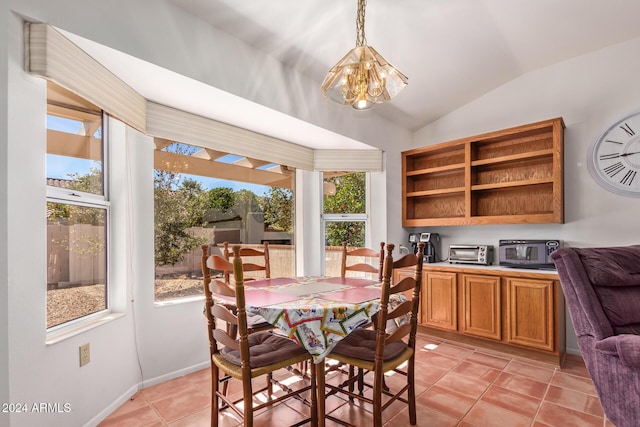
point(629, 153)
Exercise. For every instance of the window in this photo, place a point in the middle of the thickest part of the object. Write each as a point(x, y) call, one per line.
point(223, 197)
point(344, 215)
point(77, 209)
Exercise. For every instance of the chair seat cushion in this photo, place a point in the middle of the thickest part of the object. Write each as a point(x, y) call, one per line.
point(265, 349)
point(255, 321)
point(361, 344)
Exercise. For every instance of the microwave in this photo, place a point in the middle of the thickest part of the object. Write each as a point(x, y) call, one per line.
point(471, 254)
point(527, 253)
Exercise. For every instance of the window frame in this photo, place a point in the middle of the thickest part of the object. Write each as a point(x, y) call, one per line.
point(344, 217)
point(162, 143)
point(96, 201)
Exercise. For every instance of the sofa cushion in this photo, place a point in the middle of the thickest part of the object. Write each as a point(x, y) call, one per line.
point(621, 304)
point(617, 266)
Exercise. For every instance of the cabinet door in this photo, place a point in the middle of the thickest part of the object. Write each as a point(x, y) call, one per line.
point(530, 313)
point(481, 306)
point(440, 300)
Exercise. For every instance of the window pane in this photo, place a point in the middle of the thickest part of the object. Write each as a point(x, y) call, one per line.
point(74, 145)
point(76, 262)
point(344, 193)
point(352, 232)
point(227, 198)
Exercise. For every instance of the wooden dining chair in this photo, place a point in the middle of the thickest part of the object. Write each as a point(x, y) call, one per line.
point(223, 287)
point(251, 356)
point(357, 265)
point(391, 349)
point(253, 260)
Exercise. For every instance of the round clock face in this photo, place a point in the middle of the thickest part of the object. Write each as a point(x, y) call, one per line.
point(615, 157)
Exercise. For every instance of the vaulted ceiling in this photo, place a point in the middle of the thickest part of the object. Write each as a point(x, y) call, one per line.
point(453, 51)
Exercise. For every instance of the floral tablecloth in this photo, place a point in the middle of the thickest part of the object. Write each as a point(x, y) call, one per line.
point(315, 312)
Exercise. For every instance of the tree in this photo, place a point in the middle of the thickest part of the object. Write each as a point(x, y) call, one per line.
point(349, 198)
point(277, 206)
point(177, 207)
point(220, 198)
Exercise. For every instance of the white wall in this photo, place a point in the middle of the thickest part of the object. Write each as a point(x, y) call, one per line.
point(4, 211)
point(590, 92)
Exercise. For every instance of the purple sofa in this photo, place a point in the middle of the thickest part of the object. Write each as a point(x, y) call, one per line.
point(602, 291)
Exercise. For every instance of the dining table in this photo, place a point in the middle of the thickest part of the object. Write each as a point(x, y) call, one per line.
point(315, 312)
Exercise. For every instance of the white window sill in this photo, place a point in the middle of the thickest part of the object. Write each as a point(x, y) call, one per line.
point(73, 330)
point(176, 301)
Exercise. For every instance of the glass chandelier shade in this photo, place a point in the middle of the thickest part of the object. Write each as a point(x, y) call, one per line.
point(362, 77)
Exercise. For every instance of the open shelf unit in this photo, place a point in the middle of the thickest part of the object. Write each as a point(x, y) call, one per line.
point(511, 176)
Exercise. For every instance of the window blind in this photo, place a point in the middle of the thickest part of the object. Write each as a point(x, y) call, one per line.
point(176, 125)
point(49, 54)
point(54, 57)
point(348, 160)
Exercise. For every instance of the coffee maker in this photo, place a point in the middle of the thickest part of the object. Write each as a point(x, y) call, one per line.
point(431, 245)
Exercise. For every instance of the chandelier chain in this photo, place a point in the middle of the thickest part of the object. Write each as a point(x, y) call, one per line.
point(361, 40)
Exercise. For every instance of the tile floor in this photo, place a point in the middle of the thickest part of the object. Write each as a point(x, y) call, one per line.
point(456, 386)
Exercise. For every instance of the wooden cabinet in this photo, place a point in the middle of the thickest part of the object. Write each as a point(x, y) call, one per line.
point(508, 176)
point(481, 307)
point(516, 311)
point(440, 300)
point(530, 314)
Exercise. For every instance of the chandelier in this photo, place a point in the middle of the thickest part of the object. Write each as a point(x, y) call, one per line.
point(362, 77)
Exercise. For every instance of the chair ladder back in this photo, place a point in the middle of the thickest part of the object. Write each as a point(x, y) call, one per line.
point(223, 337)
point(362, 266)
point(416, 296)
point(409, 307)
point(241, 307)
point(249, 265)
point(216, 262)
point(206, 273)
point(384, 303)
point(208, 299)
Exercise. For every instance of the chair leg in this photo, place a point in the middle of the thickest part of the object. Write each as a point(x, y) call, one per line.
point(215, 384)
point(411, 393)
point(351, 375)
point(319, 368)
point(378, 383)
point(269, 385)
point(247, 404)
point(314, 395)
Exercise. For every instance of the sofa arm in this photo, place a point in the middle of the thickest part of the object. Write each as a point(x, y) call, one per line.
point(625, 346)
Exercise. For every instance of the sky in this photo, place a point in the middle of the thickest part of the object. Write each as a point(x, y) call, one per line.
point(60, 167)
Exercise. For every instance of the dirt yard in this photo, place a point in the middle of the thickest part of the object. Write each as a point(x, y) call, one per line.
point(66, 304)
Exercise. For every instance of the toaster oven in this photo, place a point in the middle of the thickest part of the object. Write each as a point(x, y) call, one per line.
point(471, 254)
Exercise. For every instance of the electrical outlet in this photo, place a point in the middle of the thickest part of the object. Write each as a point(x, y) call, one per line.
point(85, 354)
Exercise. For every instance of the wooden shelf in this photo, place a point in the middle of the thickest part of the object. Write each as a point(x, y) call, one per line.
point(452, 167)
point(513, 157)
point(508, 176)
point(433, 192)
point(511, 184)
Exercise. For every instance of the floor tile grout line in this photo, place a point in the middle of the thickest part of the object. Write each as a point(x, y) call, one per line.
point(544, 395)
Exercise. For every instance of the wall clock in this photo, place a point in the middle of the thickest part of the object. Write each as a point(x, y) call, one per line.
point(614, 160)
